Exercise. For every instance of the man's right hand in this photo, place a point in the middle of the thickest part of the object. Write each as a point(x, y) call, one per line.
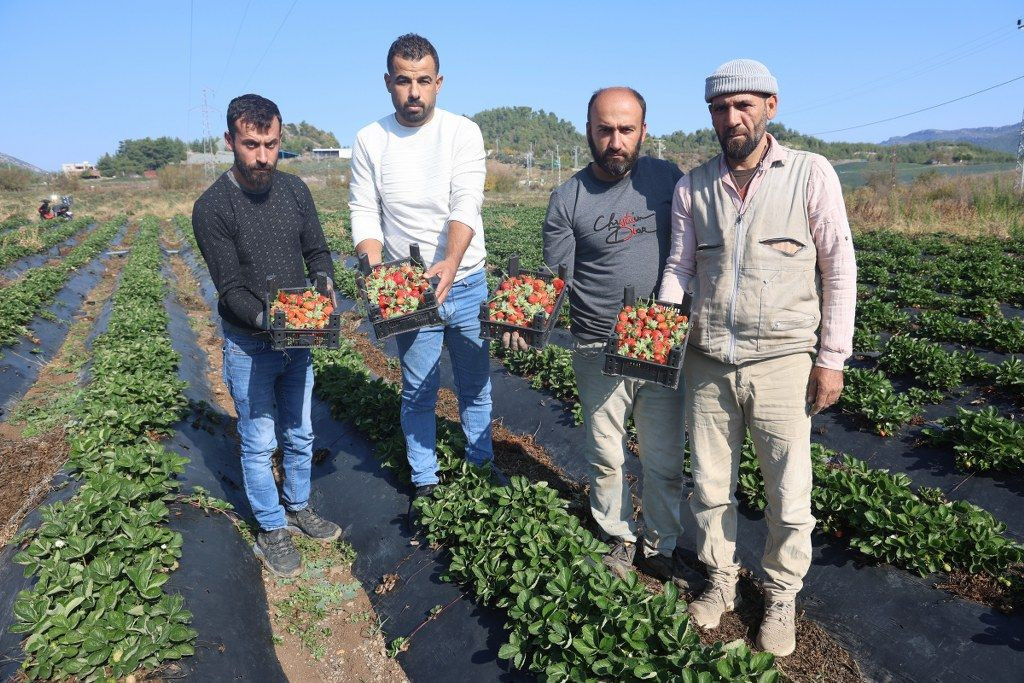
point(514, 342)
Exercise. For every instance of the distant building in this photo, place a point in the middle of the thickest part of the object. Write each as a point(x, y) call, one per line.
point(220, 157)
point(332, 152)
point(78, 168)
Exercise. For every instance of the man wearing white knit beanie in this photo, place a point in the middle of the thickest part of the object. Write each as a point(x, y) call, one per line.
point(760, 237)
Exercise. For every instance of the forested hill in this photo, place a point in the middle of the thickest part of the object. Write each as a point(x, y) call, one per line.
point(511, 131)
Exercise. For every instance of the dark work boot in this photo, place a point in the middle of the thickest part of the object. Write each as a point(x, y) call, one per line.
point(308, 523)
point(277, 553)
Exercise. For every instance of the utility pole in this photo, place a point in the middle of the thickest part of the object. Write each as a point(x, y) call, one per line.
point(1020, 155)
point(559, 155)
point(209, 170)
point(892, 169)
point(576, 157)
point(529, 165)
point(660, 147)
point(1020, 139)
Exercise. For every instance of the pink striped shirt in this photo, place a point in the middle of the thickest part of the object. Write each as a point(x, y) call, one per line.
point(830, 231)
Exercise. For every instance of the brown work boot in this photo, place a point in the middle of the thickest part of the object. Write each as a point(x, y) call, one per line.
point(778, 628)
point(717, 599)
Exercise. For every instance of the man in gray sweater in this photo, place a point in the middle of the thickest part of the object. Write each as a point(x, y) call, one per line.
point(610, 225)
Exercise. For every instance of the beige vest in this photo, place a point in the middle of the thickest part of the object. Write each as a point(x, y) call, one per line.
point(757, 291)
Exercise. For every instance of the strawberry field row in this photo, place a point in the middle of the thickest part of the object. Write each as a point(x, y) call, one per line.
point(24, 299)
point(97, 610)
point(19, 244)
point(927, 534)
point(518, 548)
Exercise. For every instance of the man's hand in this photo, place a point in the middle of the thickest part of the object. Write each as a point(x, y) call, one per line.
point(823, 388)
point(512, 340)
point(445, 270)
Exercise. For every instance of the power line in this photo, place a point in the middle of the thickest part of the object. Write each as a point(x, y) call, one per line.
point(918, 111)
point(188, 92)
point(270, 44)
point(234, 43)
point(916, 69)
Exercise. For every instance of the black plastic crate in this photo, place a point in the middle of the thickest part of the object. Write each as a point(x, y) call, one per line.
point(282, 338)
point(539, 331)
point(426, 316)
point(635, 368)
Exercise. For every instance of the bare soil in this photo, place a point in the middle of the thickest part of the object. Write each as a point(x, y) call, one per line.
point(352, 646)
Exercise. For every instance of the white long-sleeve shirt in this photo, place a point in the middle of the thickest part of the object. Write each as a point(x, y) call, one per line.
point(409, 183)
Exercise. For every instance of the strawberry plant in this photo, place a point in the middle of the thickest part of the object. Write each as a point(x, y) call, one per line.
point(34, 240)
point(649, 330)
point(25, 298)
point(925, 361)
point(869, 394)
point(97, 609)
point(982, 440)
point(397, 289)
point(517, 547)
point(883, 517)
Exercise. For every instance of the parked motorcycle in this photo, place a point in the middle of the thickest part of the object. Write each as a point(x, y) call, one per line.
point(61, 210)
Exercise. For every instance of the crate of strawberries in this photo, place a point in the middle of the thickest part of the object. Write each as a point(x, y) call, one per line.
point(397, 295)
point(525, 303)
point(303, 317)
point(649, 341)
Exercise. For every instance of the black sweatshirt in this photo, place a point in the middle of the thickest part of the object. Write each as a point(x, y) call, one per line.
point(246, 237)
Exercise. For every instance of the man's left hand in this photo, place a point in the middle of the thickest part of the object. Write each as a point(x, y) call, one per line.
point(445, 270)
point(823, 388)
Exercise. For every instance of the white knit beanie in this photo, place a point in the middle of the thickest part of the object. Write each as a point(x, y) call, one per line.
point(740, 75)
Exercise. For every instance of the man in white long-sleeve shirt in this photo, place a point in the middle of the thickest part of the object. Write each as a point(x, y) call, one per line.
point(418, 177)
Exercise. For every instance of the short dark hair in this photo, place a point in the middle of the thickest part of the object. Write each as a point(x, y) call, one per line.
point(414, 48)
point(257, 111)
point(639, 98)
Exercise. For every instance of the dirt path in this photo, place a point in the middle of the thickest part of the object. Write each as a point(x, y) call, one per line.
point(324, 626)
point(33, 445)
point(818, 656)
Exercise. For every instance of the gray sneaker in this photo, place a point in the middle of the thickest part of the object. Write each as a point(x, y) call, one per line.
point(619, 559)
point(308, 523)
point(717, 599)
point(277, 553)
point(778, 628)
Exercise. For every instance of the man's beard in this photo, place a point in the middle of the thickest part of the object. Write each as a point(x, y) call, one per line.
point(417, 117)
point(617, 167)
point(738, 149)
point(257, 179)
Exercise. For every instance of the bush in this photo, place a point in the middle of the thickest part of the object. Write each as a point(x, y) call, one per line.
point(500, 178)
point(15, 179)
point(181, 177)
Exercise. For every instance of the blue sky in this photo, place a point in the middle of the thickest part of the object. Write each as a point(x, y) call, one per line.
point(78, 77)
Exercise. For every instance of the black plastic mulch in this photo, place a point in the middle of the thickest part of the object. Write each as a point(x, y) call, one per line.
point(895, 624)
point(21, 362)
point(371, 504)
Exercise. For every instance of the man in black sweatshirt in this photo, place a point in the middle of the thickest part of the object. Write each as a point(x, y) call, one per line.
point(256, 222)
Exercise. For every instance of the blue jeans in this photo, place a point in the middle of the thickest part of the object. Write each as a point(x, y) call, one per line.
point(420, 354)
point(260, 380)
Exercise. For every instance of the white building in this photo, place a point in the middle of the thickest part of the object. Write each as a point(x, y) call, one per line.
point(76, 168)
point(332, 152)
